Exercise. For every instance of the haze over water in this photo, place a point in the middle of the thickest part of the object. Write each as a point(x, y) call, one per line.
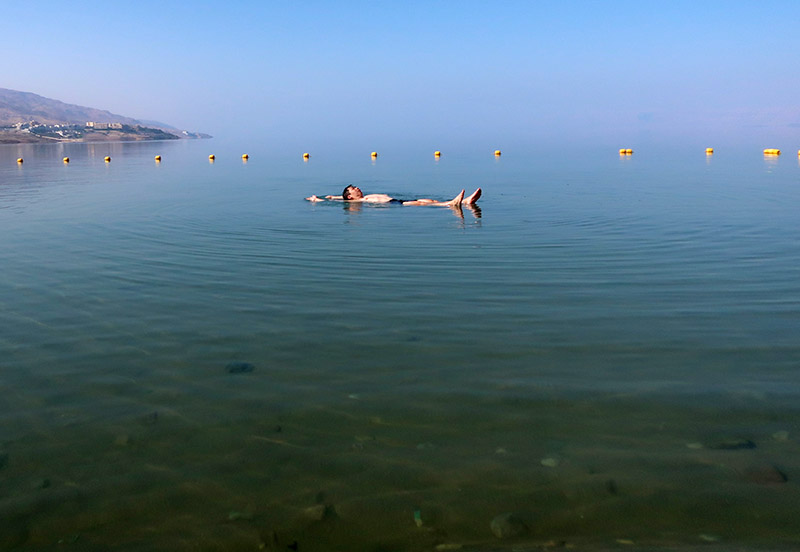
point(195, 357)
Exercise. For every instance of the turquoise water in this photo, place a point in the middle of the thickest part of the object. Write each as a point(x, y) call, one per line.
point(193, 357)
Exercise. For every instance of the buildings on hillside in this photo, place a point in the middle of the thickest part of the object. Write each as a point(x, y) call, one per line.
point(103, 126)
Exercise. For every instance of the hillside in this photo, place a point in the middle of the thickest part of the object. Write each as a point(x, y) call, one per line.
point(21, 107)
point(27, 117)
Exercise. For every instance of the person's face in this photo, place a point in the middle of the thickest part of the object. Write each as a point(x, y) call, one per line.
point(356, 193)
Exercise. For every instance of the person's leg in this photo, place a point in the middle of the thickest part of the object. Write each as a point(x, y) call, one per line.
point(473, 198)
point(457, 200)
point(425, 201)
point(422, 201)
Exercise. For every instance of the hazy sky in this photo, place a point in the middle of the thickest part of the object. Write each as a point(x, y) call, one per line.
point(441, 74)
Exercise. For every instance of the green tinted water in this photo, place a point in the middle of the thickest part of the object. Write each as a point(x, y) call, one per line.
point(608, 347)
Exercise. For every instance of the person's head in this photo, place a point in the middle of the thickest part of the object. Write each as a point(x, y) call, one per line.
point(352, 192)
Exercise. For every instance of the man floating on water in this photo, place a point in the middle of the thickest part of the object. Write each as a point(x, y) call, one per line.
point(354, 194)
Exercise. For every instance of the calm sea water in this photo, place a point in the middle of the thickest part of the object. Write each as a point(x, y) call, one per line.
point(193, 357)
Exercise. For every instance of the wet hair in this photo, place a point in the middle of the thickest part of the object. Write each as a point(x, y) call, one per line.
point(346, 191)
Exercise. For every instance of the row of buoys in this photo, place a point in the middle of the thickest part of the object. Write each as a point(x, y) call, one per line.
point(107, 159)
point(710, 151)
point(767, 151)
point(306, 155)
point(497, 153)
point(213, 157)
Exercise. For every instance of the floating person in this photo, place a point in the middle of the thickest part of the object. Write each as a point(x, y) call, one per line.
point(354, 194)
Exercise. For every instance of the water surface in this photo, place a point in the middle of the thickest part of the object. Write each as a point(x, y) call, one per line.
point(607, 347)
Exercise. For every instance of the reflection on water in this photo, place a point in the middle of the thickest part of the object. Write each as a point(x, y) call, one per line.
point(353, 207)
point(607, 349)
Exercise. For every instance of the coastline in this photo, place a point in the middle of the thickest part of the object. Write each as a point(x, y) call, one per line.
point(15, 137)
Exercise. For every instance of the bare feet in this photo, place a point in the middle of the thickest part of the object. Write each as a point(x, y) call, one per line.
point(471, 200)
point(457, 200)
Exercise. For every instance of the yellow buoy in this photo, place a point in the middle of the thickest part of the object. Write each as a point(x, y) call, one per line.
point(19, 160)
point(66, 160)
point(497, 153)
point(158, 158)
point(306, 155)
point(437, 153)
point(374, 154)
point(772, 151)
point(245, 156)
point(709, 151)
point(107, 159)
point(211, 157)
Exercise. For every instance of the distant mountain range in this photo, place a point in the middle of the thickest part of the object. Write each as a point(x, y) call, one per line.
point(27, 117)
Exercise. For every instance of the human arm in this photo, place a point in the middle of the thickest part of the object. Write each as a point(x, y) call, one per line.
point(330, 197)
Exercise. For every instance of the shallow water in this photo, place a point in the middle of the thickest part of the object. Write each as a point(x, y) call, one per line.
point(607, 346)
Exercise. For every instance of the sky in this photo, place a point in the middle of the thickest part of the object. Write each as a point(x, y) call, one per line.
point(441, 75)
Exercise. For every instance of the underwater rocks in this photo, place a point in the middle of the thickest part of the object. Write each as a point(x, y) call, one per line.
point(509, 526)
point(238, 367)
point(781, 435)
point(550, 462)
point(733, 444)
point(320, 512)
point(235, 515)
point(765, 475)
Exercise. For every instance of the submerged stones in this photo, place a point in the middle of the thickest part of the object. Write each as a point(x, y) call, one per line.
point(43, 484)
point(550, 462)
point(733, 444)
point(781, 435)
point(766, 474)
point(509, 525)
point(239, 367)
point(149, 419)
point(320, 512)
